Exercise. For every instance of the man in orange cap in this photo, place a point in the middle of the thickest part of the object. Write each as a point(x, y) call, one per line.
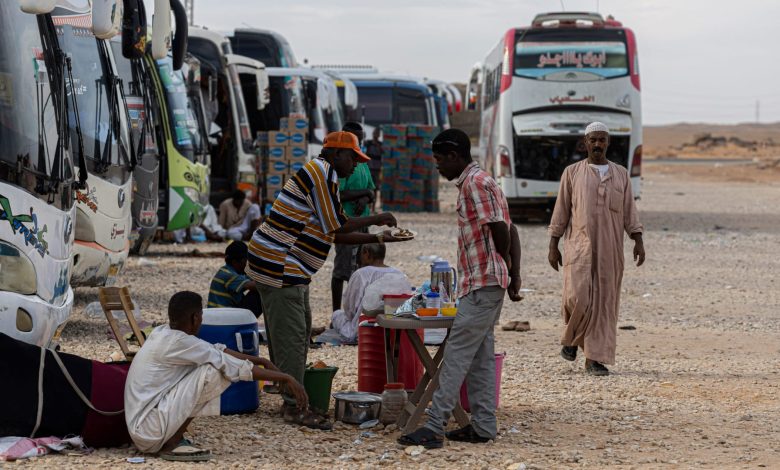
point(293, 243)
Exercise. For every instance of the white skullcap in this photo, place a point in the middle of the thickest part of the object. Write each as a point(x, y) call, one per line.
point(596, 127)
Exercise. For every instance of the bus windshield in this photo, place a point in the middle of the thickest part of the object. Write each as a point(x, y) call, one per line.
point(27, 105)
point(571, 54)
point(375, 104)
point(184, 127)
point(91, 84)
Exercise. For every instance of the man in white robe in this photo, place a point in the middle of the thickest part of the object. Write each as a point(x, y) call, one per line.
point(177, 376)
point(373, 271)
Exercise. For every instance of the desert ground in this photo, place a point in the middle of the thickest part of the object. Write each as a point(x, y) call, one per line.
point(697, 379)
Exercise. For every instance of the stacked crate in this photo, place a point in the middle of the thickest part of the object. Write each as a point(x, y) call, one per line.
point(410, 182)
point(283, 153)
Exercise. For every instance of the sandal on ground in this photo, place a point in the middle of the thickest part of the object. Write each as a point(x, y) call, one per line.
point(523, 326)
point(422, 437)
point(596, 369)
point(510, 326)
point(569, 353)
point(466, 434)
point(186, 452)
point(310, 419)
point(271, 388)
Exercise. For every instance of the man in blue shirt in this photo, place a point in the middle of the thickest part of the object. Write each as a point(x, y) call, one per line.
point(231, 287)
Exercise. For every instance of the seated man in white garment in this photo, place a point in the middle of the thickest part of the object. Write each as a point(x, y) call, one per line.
point(373, 272)
point(239, 216)
point(176, 376)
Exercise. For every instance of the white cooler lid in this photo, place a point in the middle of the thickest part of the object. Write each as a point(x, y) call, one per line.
point(225, 316)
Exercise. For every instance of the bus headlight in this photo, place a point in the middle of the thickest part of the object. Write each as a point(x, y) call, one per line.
point(17, 273)
point(85, 229)
point(192, 193)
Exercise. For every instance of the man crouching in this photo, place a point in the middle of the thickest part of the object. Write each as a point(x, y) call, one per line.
point(176, 376)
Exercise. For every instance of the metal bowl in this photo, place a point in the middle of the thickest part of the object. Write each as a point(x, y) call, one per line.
point(357, 407)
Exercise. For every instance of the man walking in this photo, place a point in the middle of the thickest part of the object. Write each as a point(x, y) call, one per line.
point(595, 205)
point(291, 245)
point(488, 266)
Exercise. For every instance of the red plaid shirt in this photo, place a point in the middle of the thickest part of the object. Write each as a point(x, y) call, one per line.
point(480, 202)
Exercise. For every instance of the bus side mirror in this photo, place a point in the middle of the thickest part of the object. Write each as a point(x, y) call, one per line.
point(134, 29)
point(37, 7)
point(161, 29)
point(107, 18)
point(180, 39)
point(263, 96)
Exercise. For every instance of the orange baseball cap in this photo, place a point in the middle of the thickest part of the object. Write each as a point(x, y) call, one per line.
point(345, 140)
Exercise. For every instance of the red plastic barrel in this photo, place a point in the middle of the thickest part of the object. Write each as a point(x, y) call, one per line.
point(372, 370)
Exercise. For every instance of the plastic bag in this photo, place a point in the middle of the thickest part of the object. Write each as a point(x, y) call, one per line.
point(393, 283)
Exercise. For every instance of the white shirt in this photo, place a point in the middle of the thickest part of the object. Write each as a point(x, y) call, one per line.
point(166, 357)
point(602, 169)
point(346, 320)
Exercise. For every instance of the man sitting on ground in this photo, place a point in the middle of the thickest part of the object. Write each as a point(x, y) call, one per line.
point(176, 376)
point(373, 270)
point(231, 287)
point(239, 216)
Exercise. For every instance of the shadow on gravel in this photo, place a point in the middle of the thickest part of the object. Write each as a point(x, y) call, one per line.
point(709, 222)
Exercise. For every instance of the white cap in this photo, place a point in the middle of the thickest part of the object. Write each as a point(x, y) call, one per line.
point(596, 127)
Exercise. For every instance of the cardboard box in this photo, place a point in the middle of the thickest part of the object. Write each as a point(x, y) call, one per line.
point(277, 154)
point(298, 153)
point(296, 137)
point(295, 166)
point(277, 167)
point(294, 123)
point(278, 138)
point(275, 181)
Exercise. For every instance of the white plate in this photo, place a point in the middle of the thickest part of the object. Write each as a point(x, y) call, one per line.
point(394, 231)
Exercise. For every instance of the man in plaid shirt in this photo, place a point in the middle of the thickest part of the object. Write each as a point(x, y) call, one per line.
point(488, 266)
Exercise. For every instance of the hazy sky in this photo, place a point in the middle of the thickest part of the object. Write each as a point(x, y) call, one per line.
point(700, 60)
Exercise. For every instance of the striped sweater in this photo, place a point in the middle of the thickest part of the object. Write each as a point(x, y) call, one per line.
point(293, 242)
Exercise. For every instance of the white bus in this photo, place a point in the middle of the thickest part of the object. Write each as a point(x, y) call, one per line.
point(538, 89)
point(103, 218)
point(36, 178)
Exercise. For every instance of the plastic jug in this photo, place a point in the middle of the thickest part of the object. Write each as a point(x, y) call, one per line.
point(443, 275)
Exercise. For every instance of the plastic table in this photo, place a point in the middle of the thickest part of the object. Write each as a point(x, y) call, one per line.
point(422, 395)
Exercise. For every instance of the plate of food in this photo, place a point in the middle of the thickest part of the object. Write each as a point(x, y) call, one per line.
point(402, 234)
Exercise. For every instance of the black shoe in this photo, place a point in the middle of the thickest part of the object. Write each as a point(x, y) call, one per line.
point(466, 434)
point(569, 353)
point(596, 369)
point(422, 437)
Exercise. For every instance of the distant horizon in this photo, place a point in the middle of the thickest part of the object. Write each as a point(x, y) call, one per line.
point(699, 60)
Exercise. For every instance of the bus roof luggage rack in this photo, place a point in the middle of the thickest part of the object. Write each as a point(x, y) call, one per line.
point(347, 68)
point(571, 18)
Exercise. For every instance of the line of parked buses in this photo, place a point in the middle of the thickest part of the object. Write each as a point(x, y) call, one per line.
point(113, 127)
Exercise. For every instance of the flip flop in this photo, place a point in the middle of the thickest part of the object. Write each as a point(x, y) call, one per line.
point(523, 326)
point(510, 326)
point(422, 437)
point(186, 452)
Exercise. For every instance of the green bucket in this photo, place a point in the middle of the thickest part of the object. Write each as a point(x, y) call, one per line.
point(318, 384)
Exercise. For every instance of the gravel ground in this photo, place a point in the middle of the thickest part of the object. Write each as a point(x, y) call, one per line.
point(696, 383)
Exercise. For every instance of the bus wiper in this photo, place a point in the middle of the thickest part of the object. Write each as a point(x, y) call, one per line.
point(82, 181)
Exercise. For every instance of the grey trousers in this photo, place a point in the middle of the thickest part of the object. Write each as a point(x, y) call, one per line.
point(469, 353)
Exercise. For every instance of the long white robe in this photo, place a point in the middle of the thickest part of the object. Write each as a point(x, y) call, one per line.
point(593, 214)
point(345, 320)
point(175, 376)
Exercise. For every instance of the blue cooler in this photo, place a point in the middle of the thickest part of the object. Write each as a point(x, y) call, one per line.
point(236, 328)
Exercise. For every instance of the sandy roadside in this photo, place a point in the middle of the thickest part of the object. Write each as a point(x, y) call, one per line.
point(696, 384)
